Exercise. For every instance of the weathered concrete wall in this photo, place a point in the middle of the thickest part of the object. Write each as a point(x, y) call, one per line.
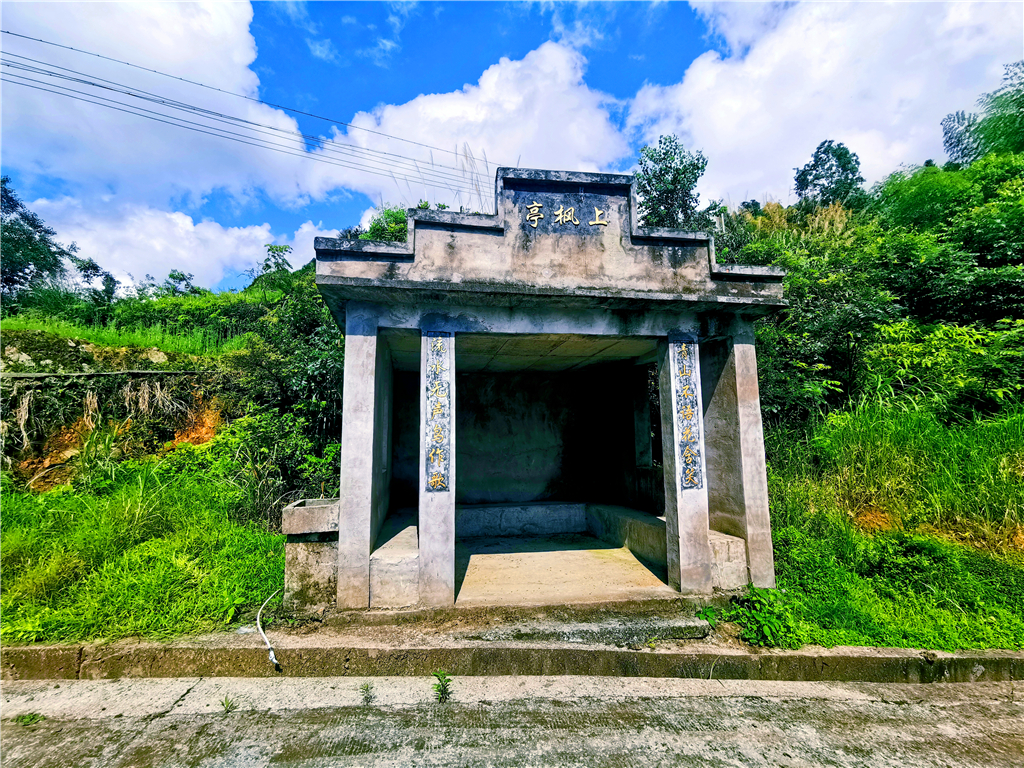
point(527, 437)
point(394, 564)
point(737, 476)
point(359, 489)
point(382, 439)
point(561, 233)
point(729, 561)
point(310, 573)
point(438, 409)
point(530, 519)
point(686, 504)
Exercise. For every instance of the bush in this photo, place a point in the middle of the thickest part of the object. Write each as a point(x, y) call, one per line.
point(389, 224)
point(766, 618)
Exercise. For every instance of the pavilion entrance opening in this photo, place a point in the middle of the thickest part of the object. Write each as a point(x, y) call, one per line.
point(558, 494)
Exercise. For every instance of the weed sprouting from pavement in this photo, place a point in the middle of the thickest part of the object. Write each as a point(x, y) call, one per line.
point(368, 694)
point(228, 704)
point(443, 687)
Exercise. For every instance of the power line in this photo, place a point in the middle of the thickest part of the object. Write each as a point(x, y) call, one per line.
point(219, 133)
point(230, 93)
point(434, 170)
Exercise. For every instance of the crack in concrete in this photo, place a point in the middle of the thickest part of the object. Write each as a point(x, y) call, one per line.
point(158, 715)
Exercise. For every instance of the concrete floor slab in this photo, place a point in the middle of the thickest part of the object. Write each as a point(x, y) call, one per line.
point(551, 570)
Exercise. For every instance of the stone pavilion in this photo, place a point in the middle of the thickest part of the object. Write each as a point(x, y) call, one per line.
point(549, 380)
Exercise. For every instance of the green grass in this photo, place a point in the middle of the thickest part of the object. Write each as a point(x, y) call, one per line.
point(906, 465)
point(145, 557)
point(199, 341)
point(908, 584)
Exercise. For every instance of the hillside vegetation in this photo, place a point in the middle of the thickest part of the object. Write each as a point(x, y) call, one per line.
point(892, 389)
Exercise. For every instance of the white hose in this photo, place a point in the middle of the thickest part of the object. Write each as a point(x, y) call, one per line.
point(273, 658)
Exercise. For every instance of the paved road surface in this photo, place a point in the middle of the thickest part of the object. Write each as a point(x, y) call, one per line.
point(510, 721)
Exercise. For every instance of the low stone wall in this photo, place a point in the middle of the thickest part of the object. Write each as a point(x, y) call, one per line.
point(643, 535)
point(530, 519)
point(311, 551)
point(310, 554)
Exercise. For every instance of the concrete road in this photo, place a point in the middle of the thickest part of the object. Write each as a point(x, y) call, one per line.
point(510, 721)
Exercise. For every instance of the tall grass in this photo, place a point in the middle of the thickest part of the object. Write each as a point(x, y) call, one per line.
point(142, 557)
point(197, 341)
point(868, 508)
point(905, 464)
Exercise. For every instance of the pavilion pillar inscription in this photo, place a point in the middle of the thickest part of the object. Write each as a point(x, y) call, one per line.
point(437, 469)
point(683, 460)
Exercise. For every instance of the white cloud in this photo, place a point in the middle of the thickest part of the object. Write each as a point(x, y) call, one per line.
point(298, 14)
point(380, 53)
point(323, 49)
point(877, 77)
point(124, 172)
point(138, 240)
point(535, 112)
point(740, 24)
point(103, 153)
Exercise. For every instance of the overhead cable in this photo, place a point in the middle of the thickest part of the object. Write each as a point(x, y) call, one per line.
point(15, 79)
point(442, 172)
point(231, 93)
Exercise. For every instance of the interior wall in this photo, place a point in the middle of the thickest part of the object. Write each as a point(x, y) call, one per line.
point(405, 452)
point(525, 436)
point(382, 438)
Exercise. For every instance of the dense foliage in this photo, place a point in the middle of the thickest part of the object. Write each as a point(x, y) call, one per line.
point(892, 387)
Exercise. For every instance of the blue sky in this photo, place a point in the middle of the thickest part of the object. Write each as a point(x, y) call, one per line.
point(756, 86)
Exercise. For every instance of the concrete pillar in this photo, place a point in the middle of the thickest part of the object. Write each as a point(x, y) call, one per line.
point(365, 452)
point(686, 495)
point(737, 476)
point(437, 469)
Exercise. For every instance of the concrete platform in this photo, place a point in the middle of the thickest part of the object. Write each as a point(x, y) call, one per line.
point(395, 563)
point(551, 570)
point(544, 554)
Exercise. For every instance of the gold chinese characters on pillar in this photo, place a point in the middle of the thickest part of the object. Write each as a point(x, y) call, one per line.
point(688, 414)
point(438, 412)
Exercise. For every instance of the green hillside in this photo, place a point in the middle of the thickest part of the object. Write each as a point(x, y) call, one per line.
point(892, 389)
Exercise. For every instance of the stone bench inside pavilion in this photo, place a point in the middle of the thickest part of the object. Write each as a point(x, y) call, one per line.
point(549, 404)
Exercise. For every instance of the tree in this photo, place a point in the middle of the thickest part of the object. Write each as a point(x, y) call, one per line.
point(832, 176)
point(273, 271)
point(999, 127)
point(665, 182)
point(28, 252)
